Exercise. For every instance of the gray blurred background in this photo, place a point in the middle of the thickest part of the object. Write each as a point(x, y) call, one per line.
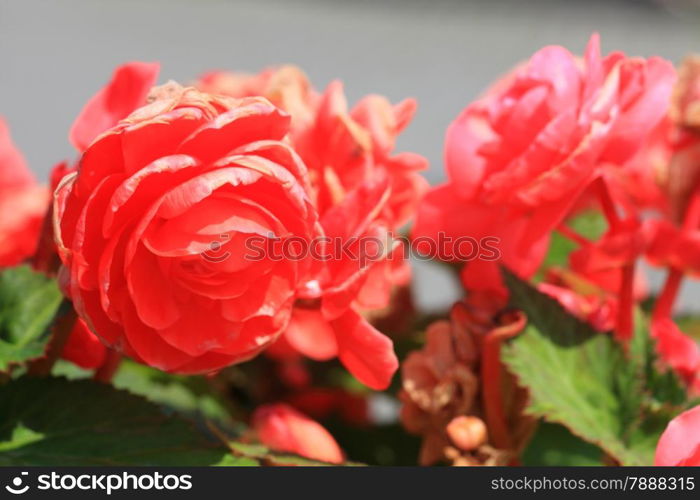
point(55, 54)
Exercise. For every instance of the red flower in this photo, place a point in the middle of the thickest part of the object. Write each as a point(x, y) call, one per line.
point(672, 246)
point(22, 204)
point(283, 428)
point(519, 158)
point(680, 443)
point(361, 191)
point(152, 230)
point(83, 348)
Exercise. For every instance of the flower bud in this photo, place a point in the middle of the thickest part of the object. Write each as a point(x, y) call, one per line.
point(467, 432)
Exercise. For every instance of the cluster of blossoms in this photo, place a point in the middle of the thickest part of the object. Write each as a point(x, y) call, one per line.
point(152, 220)
point(166, 171)
point(556, 137)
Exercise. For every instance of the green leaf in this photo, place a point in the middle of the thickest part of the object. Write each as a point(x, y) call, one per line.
point(28, 303)
point(554, 446)
point(270, 457)
point(54, 421)
point(193, 396)
point(189, 395)
point(585, 380)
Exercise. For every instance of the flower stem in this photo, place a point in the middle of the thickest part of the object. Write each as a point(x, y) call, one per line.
point(45, 258)
point(664, 304)
point(572, 235)
point(625, 312)
point(492, 392)
point(63, 325)
point(109, 367)
point(492, 380)
point(607, 204)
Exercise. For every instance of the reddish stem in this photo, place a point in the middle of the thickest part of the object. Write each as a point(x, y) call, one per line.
point(109, 367)
point(664, 304)
point(61, 329)
point(572, 235)
point(45, 258)
point(492, 391)
point(607, 203)
point(625, 312)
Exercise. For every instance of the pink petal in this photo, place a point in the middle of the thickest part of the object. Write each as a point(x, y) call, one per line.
point(365, 352)
point(680, 442)
point(283, 428)
point(311, 334)
point(126, 91)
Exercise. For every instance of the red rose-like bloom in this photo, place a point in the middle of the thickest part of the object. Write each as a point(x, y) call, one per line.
point(152, 230)
point(518, 158)
point(680, 443)
point(283, 428)
point(22, 204)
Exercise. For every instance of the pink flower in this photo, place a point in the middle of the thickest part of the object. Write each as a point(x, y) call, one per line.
point(679, 445)
point(518, 158)
point(283, 428)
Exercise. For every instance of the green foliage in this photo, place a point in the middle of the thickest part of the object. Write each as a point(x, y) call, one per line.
point(267, 456)
point(50, 421)
point(193, 396)
point(28, 302)
point(604, 393)
point(553, 445)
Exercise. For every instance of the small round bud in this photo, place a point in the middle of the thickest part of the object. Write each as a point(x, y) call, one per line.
point(467, 432)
